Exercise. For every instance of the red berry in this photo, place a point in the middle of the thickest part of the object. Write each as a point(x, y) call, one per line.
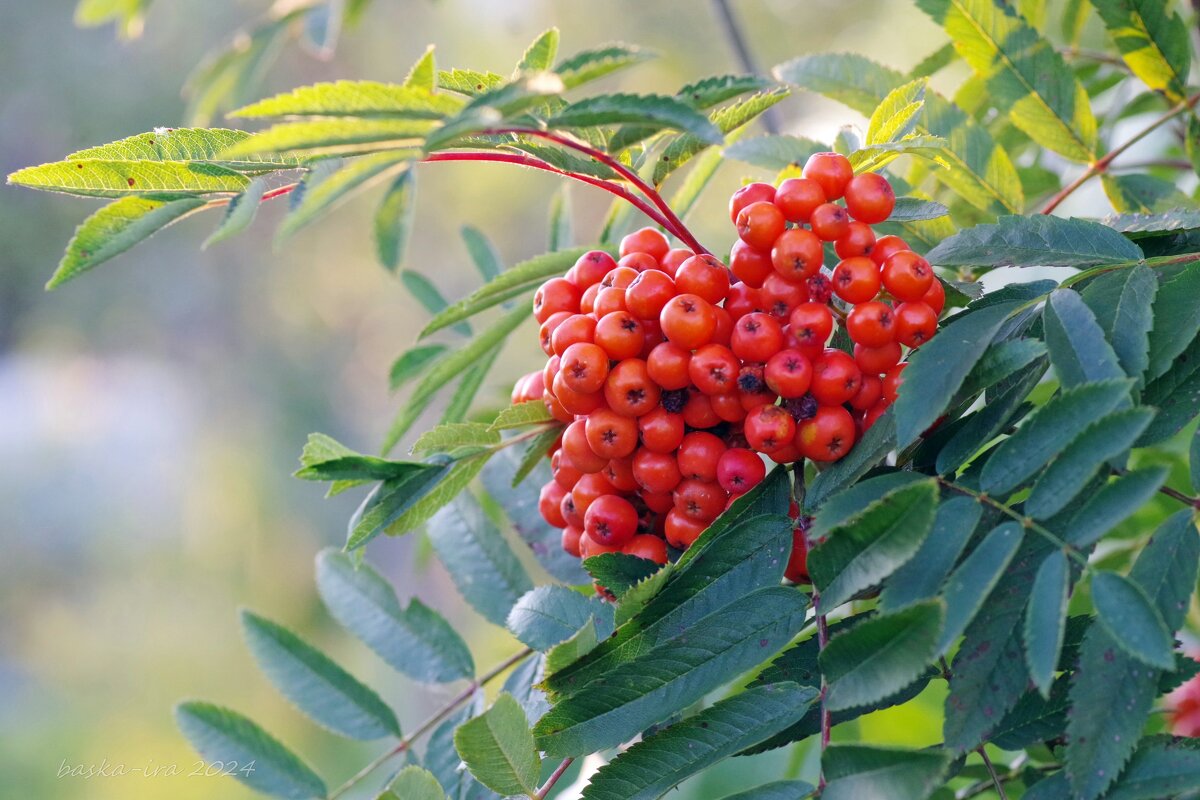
point(750, 193)
point(830, 222)
point(788, 373)
point(723, 331)
point(673, 259)
point(661, 430)
point(811, 324)
point(797, 565)
point(550, 504)
point(698, 455)
point(619, 334)
point(780, 296)
point(892, 382)
point(668, 365)
point(756, 337)
point(639, 262)
point(556, 294)
point(589, 547)
point(656, 472)
point(649, 292)
point(700, 500)
point(877, 360)
point(759, 224)
point(584, 367)
point(869, 394)
point(768, 428)
point(578, 452)
point(739, 470)
point(827, 436)
point(886, 246)
point(688, 321)
point(935, 298)
point(869, 198)
point(610, 520)
point(744, 299)
point(797, 254)
point(859, 240)
point(681, 530)
point(907, 276)
point(871, 324)
point(698, 411)
point(608, 300)
point(703, 276)
point(713, 369)
point(611, 435)
point(728, 406)
point(546, 331)
point(565, 473)
point(570, 540)
point(591, 268)
point(916, 323)
point(629, 390)
point(797, 197)
point(648, 547)
point(575, 402)
point(856, 280)
point(831, 170)
point(619, 278)
point(574, 329)
point(647, 240)
point(749, 264)
point(820, 288)
point(836, 378)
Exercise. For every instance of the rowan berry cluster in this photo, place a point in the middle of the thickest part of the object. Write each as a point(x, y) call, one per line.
point(674, 373)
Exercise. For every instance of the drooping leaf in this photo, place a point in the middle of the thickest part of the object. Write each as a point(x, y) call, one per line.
point(1112, 692)
point(1048, 431)
point(411, 362)
point(1131, 619)
point(1122, 302)
point(850, 503)
point(969, 586)
point(857, 772)
point(1176, 395)
point(1035, 241)
point(239, 214)
point(881, 656)
point(1045, 620)
point(415, 640)
point(650, 688)
point(394, 219)
point(1025, 75)
point(937, 370)
point(921, 576)
point(114, 229)
point(315, 684)
point(484, 568)
point(498, 748)
point(220, 734)
point(884, 536)
point(547, 615)
point(651, 767)
point(442, 759)
point(335, 188)
point(1073, 469)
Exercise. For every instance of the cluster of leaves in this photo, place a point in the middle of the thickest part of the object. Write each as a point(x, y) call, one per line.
point(983, 534)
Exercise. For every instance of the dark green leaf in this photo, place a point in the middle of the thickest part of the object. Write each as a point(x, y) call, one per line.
point(921, 577)
point(1035, 241)
point(1112, 692)
point(225, 736)
point(1130, 618)
point(498, 748)
point(650, 688)
point(916, 209)
point(1161, 767)
point(1122, 302)
point(325, 459)
point(483, 253)
point(618, 572)
point(1176, 317)
point(1142, 194)
point(858, 772)
point(850, 503)
point(1045, 620)
point(881, 656)
point(988, 422)
point(1075, 467)
point(547, 615)
point(1034, 719)
point(336, 187)
point(484, 568)
point(859, 555)
point(1112, 504)
point(315, 684)
point(937, 370)
point(1141, 226)
point(650, 768)
point(1176, 395)
point(442, 759)
point(416, 641)
point(777, 790)
point(1048, 431)
point(969, 586)
point(1078, 350)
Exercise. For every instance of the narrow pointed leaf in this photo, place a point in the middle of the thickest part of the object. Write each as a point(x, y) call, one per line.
point(222, 735)
point(897, 115)
point(1114, 503)
point(1078, 350)
point(1046, 619)
point(354, 99)
point(540, 53)
point(658, 110)
point(239, 214)
point(547, 615)
point(588, 65)
point(394, 219)
point(858, 772)
point(922, 576)
point(317, 686)
point(1123, 304)
point(1035, 241)
point(416, 641)
point(498, 748)
point(1130, 617)
point(1153, 40)
point(337, 187)
point(968, 587)
point(109, 178)
point(1176, 317)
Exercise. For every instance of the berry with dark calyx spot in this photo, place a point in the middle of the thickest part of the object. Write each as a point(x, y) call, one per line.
point(610, 520)
point(703, 276)
point(590, 268)
point(629, 390)
point(751, 379)
point(907, 276)
point(662, 430)
point(757, 337)
point(859, 240)
point(768, 428)
point(836, 378)
point(788, 373)
point(820, 288)
point(797, 254)
point(688, 320)
point(673, 401)
point(916, 323)
point(713, 369)
point(556, 294)
point(830, 222)
point(698, 455)
point(802, 408)
point(649, 292)
point(797, 197)
point(668, 365)
point(856, 280)
point(828, 436)
point(871, 324)
point(739, 470)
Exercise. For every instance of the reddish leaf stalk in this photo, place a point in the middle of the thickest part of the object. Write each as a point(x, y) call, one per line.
point(559, 771)
point(1102, 165)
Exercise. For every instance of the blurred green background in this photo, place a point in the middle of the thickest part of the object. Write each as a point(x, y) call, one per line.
point(151, 413)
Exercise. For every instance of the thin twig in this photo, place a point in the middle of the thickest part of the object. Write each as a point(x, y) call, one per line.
point(987, 762)
point(1100, 166)
point(553, 779)
point(1167, 491)
point(445, 711)
point(278, 191)
point(1093, 55)
point(733, 33)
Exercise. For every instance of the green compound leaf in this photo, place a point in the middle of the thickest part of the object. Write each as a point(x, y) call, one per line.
point(969, 586)
point(549, 615)
point(185, 144)
point(1131, 619)
point(667, 679)
point(650, 768)
point(873, 545)
point(114, 229)
point(416, 641)
point(1024, 73)
point(220, 734)
point(1078, 350)
point(317, 686)
point(1048, 431)
point(1112, 692)
point(331, 190)
point(857, 772)
point(486, 571)
point(588, 65)
point(658, 111)
point(619, 572)
point(110, 178)
point(1123, 304)
point(498, 748)
point(1153, 40)
point(1036, 241)
point(1113, 503)
point(881, 656)
point(1046, 619)
point(921, 576)
point(354, 99)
